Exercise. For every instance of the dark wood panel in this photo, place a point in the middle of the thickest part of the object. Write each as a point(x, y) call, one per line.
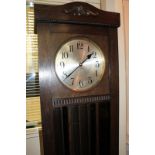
point(47, 59)
point(78, 13)
point(68, 28)
point(114, 89)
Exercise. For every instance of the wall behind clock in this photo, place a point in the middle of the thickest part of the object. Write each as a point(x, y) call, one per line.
point(96, 3)
point(122, 6)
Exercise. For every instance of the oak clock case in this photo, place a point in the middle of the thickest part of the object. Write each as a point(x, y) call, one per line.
point(78, 77)
point(80, 64)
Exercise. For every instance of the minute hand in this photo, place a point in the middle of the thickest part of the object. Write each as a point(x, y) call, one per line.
point(72, 72)
point(88, 57)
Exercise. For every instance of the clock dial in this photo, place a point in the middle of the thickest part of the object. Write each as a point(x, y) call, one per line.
point(80, 64)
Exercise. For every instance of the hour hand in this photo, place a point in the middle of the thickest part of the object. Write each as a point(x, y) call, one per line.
point(88, 57)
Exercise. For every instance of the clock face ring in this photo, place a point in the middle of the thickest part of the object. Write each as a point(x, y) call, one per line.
point(80, 64)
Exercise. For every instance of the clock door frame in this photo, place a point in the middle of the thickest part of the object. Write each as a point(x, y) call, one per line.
point(59, 105)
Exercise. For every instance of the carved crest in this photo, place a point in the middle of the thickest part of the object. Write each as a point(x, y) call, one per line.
point(80, 10)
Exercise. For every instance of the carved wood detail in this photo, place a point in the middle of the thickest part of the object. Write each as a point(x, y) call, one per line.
point(80, 10)
point(59, 102)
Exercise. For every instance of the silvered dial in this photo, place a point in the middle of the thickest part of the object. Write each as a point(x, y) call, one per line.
point(80, 64)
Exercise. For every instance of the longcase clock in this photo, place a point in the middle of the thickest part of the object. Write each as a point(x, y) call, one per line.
point(79, 82)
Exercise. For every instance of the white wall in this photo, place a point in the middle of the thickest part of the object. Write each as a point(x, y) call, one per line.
point(126, 27)
point(121, 7)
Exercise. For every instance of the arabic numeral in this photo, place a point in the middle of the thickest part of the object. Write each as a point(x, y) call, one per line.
point(81, 83)
point(79, 45)
point(90, 81)
point(94, 54)
point(62, 64)
point(64, 55)
point(97, 65)
point(71, 48)
point(72, 81)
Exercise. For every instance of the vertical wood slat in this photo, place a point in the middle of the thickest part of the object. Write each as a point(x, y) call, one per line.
point(59, 134)
point(104, 126)
point(65, 129)
point(83, 129)
point(92, 128)
point(73, 122)
point(89, 129)
point(97, 129)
